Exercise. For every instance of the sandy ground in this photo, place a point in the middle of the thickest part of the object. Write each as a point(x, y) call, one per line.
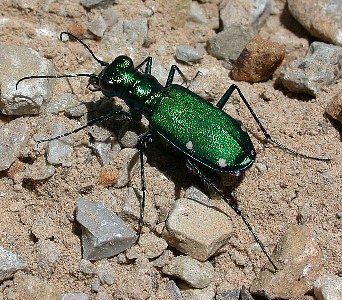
point(273, 198)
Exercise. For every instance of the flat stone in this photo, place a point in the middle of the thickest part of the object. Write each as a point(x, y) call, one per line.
point(9, 264)
point(334, 107)
point(13, 138)
point(328, 287)
point(247, 14)
point(196, 230)
point(229, 43)
point(91, 3)
point(258, 60)
point(197, 274)
point(299, 260)
point(75, 296)
point(322, 18)
point(17, 62)
point(319, 68)
point(104, 234)
point(188, 54)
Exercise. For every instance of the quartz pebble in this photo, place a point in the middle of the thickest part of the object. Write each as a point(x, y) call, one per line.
point(258, 60)
point(197, 274)
point(104, 234)
point(17, 62)
point(9, 264)
point(328, 287)
point(320, 67)
point(13, 138)
point(196, 230)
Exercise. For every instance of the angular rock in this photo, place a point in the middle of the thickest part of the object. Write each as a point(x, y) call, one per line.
point(9, 264)
point(328, 287)
point(128, 138)
point(75, 296)
point(334, 107)
point(247, 14)
point(229, 43)
point(196, 230)
point(197, 274)
point(322, 18)
point(258, 60)
point(13, 138)
point(17, 62)
point(320, 67)
point(104, 234)
point(98, 26)
point(195, 194)
point(299, 260)
point(188, 54)
point(174, 290)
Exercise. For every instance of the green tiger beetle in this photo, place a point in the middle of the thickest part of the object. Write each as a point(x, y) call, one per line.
point(204, 133)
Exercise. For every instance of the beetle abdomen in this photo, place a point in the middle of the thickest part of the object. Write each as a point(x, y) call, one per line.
point(202, 131)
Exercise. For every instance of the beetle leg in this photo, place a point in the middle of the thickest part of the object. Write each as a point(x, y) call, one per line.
point(233, 204)
point(143, 139)
point(148, 62)
point(268, 137)
point(90, 123)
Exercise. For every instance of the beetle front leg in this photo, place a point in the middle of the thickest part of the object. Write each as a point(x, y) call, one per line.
point(148, 62)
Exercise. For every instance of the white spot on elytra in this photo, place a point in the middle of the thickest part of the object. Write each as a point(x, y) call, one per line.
point(189, 145)
point(222, 162)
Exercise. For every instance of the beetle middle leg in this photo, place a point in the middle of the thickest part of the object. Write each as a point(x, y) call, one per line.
point(148, 62)
point(266, 134)
point(172, 72)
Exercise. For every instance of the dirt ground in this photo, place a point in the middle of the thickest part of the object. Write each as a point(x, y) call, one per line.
point(273, 192)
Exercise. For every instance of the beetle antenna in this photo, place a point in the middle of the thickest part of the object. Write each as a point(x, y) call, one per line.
point(55, 76)
point(101, 62)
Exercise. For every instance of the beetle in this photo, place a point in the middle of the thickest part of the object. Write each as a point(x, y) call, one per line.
point(203, 132)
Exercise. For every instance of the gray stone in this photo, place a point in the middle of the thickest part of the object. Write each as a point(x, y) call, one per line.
point(246, 14)
point(87, 267)
point(195, 13)
point(174, 290)
point(104, 234)
point(76, 111)
point(106, 273)
point(163, 259)
point(196, 230)
point(131, 205)
point(39, 170)
point(229, 43)
point(320, 67)
point(195, 194)
point(98, 26)
point(91, 3)
point(128, 138)
point(192, 271)
point(17, 62)
point(136, 31)
point(61, 103)
point(207, 293)
point(188, 54)
point(75, 296)
point(13, 138)
point(328, 287)
point(125, 162)
point(48, 256)
point(106, 151)
point(9, 264)
point(228, 295)
point(99, 133)
point(322, 18)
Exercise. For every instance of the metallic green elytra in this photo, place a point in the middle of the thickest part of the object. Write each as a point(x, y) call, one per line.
point(202, 131)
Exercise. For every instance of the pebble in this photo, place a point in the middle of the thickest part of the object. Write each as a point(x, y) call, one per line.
point(334, 107)
point(61, 103)
point(163, 259)
point(43, 227)
point(125, 161)
point(229, 43)
point(258, 60)
point(13, 139)
point(207, 293)
point(9, 264)
point(87, 267)
point(17, 62)
point(188, 54)
point(136, 31)
point(74, 296)
point(174, 290)
point(196, 14)
point(131, 205)
point(103, 152)
point(98, 26)
point(299, 260)
point(48, 256)
point(328, 287)
point(195, 273)
point(104, 234)
point(100, 133)
point(106, 273)
point(196, 230)
point(39, 170)
point(76, 110)
point(322, 18)
point(246, 14)
point(229, 295)
point(128, 138)
point(195, 194)
point(151, 245)
point(91, 3)
point(320, 67)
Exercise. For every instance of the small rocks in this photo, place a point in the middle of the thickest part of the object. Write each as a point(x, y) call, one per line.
point(322, 18)
point(136, 31)
point(299, 259)
point(9, 264)
point(106, 273)
point(48, 256)
point(195, 273)
point(13, 138)
point(87, 267)
point(39, 170)
point(128, 138)
point(188, 54)
point(328, 287)
point(258, 60)
point(17, 62)
point(334, 107)
point(91, 3)
point(207, 293)
point(320, 67)
point(98, 26)
point(104, 234)
point(152, 245)
point(196, 230)
point(196, 14)
point(229, 43)
point(74, 296)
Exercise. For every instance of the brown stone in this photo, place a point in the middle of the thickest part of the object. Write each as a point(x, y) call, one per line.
point(108, 176)
point(258, 60)
point(334, 108)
